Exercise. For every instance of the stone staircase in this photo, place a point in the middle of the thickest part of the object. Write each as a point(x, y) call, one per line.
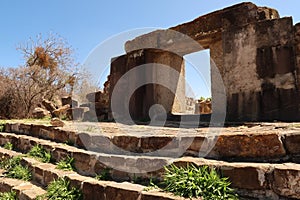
point(261, 160)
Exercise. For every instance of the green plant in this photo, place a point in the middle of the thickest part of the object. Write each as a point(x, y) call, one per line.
point(8, 146)
point(64, 117)
point(19, 172)
point(14, 169)
point(2, 127)
point(193, 181)
point(7, 164)
point(8, 195)
point(60, 189)
point(152, 185)
point(105, 175)
point(66, 164)
point(69, 142)
point(40, 153)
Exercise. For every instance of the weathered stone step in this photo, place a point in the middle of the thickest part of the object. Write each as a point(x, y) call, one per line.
point(88, 162)
point(255, 143)
point(251, 179)
point(92, 189)
point(25, 190)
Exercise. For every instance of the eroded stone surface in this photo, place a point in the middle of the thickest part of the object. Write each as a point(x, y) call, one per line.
point(287, 180)
point(249, 146)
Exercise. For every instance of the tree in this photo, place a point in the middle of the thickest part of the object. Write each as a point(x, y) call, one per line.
point(49, 70)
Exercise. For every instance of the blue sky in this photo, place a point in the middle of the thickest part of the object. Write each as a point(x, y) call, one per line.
point(85, 24)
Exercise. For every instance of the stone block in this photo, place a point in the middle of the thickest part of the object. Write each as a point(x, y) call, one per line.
point(122, 191)
point(93, 190)
point(76, 113)
point(69, 101)
point(155, 195)
point(61, 135)
point(84, 162)
point(246, 177)
point(127, 143)
point(149, 144)
point(287, 180)
point(291, 142)
point(289, 105)
point(94, 96)
point(270, 102)
point(249, 146)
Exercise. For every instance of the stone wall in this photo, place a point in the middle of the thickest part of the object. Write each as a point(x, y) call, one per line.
point(254, 60)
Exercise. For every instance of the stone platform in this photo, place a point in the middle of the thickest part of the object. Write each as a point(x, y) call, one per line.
point(260, 159)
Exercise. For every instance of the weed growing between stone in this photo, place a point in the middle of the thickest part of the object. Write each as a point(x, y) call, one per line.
point(105, 175)
point(40, 153)
point(60, 189)
point(2, 127)
point(66, 164)
point(14, 169)
point(8, 146)
point(8, 195)
point(192, 181)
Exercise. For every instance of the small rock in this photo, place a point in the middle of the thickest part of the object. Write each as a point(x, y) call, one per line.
point(40, 113)
point(57, 122)
point(62, 111)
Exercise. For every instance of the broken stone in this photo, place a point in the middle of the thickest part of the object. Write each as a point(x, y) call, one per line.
point(248, 146)
point(68, 100)
point(48, 105)
point(62, 111)
point(287, 180)
point(40, 113)
point(57, 122)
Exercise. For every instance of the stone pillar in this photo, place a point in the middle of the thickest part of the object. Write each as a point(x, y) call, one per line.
point(149, 94)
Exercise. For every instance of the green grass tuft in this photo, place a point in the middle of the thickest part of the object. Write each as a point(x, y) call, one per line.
point(60, 189)
point(14, 169)
point(40, 153)
point(193, 181)
point(8, 195)
point(8, 146)
point(66, 164)
point(105, 175)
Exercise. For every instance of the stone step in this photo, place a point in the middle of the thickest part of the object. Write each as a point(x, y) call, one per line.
point(92, 189)
point(25, 190)
point(253, 143)
point(250, 179)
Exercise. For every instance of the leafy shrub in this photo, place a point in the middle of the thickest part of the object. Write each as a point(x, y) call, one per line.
point(8, 195)
point(60, 189)
point(197, 182)
point(66, 164)
point(40, 153)
point(8, 146)
point(105, 175)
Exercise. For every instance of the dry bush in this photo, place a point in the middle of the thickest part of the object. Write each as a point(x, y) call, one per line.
point(49, 70)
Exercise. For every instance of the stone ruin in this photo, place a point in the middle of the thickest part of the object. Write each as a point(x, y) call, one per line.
point(256, 54)
point(255, 61)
